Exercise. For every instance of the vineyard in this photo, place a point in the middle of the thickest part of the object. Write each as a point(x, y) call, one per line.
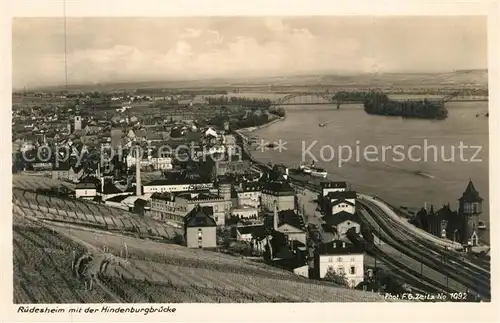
point(38, 182)
point(50, 233)
point(42, 268)
point(173, 273)
point(35, 205)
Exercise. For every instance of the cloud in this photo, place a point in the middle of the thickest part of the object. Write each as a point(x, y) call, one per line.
point(107, 50)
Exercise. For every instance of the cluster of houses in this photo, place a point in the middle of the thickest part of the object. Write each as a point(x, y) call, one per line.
point(460, 225)
point(263, 214)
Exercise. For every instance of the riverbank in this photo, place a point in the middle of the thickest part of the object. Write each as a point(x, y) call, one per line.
point(403, 185)
point(251, 129)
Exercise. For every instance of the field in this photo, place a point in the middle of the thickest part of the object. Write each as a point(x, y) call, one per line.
point(51, 232)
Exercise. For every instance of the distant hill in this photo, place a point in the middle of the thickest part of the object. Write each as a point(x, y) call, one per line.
point(478, 78)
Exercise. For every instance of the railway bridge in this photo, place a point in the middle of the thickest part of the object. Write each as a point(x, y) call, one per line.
point(346, 97)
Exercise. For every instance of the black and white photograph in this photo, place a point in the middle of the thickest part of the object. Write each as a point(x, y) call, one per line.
point(250, 159)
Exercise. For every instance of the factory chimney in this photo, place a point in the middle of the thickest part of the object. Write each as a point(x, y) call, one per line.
point(275, 217)
point(138, 186)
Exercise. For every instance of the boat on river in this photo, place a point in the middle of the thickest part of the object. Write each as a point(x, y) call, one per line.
point(313, 170)
point(319, 172)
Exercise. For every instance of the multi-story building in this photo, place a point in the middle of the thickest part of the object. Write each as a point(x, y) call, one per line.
point(176, 185)
point(220, 206)
point(165, 208)
point(200, 228)
point(224, 167)
point(278, 194)
point(250, 195)
point(341, 257)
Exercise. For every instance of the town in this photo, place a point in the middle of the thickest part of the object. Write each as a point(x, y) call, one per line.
point(130, 177)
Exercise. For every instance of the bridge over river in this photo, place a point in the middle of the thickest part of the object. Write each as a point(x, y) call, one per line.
point(339, 98)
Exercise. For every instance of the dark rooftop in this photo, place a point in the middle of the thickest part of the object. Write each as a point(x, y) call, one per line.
point(333, 185)
point(338, 247)
point(200, 217)
point(118, 198)
point(255, 230)
point(342, 195)
point(198, 196)
point(279, 188)
point(470, 194)
point(340, 217)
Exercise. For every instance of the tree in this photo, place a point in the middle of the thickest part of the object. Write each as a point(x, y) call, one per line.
point(367, 235)
point(179, 239)
point(338, 278)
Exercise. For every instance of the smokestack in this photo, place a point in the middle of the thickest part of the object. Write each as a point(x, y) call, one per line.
point(138, 186)
point(275, 217)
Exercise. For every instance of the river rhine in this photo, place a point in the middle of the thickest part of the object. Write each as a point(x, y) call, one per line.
point(433, 180)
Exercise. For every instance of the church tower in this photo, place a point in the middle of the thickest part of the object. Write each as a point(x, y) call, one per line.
point(78, 123)
point(470, 207)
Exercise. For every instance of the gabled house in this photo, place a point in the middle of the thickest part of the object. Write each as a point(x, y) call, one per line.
point(338, 201)
point(341, 222)
point(200, 228)
point(289, 223)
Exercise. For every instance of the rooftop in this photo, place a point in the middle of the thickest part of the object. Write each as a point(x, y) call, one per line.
point(470, 194)
point(342, 195)
point(279, 187)
point(333, 185)
point(338, 247)
point(199, 196)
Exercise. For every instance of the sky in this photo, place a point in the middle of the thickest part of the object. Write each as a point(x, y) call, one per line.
point(103, 50)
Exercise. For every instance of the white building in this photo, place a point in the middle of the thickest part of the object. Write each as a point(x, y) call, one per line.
point(159, 163)
point(339, 201)
point(211, 132)
point(327, 187)
point(85, 190)
point(343, 258)
point(249, 195)
point(278, 193)
point(182, 185)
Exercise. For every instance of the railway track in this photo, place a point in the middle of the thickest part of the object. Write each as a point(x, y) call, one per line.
point(445, 262)
point(411, 245)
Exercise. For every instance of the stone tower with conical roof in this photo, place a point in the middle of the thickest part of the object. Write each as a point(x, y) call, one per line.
point(470, 207)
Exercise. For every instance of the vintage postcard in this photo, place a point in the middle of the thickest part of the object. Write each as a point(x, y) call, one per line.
point(164, 160)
